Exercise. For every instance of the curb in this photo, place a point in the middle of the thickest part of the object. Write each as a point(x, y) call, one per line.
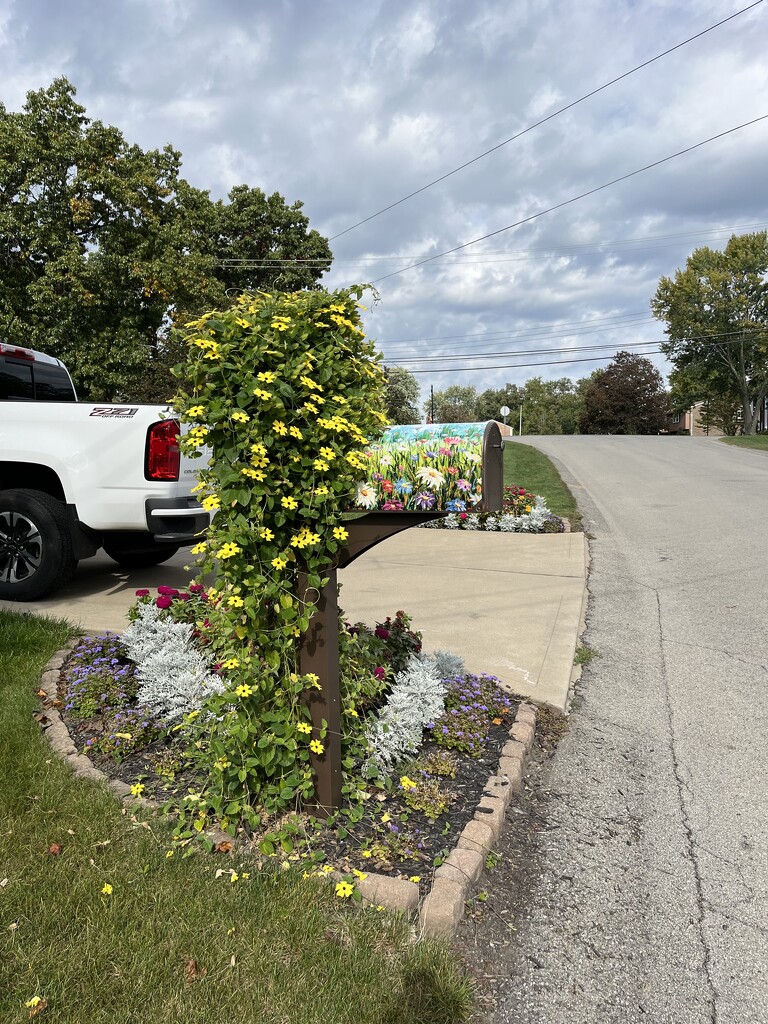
point(443, 907)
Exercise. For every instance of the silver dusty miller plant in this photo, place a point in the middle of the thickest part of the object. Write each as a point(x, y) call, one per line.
point(417, 698)
point(175, 677)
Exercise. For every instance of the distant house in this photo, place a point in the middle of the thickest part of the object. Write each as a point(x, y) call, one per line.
point(689, 421)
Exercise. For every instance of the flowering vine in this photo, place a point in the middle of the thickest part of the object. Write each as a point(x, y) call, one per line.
point(285, 392)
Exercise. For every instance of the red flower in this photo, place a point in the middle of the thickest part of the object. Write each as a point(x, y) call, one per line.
point(167, 592)
point(379, 673)
point(387, 486)
point(142, 593)
point(164, 601)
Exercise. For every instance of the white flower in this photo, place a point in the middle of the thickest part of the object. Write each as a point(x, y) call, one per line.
point(386, 459)
point(473, 457)
point(430, 477)
point(366, 495)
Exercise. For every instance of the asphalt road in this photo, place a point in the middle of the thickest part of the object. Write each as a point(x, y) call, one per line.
point(651, 899)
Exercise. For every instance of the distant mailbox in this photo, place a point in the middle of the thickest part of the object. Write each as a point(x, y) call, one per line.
point(440, 467)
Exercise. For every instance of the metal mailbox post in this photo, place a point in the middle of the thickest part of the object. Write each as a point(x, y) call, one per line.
point(319, 651)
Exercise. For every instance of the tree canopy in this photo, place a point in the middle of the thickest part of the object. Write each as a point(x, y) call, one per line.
point(401, 394)
point(104, 247)
point(627, 397)
point(716, 312)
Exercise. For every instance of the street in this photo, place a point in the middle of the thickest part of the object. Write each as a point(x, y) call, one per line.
point(651, 899)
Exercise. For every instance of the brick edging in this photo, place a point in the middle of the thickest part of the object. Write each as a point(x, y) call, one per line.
point(443, 907)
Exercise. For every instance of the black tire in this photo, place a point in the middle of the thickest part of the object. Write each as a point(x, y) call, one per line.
point(133, 559)
point(36, 553)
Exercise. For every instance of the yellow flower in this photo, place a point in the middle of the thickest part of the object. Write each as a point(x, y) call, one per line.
point(235, 602)
point(196, 411)
point(366, 854)
point(320, 466)
point(309, 383)
point(340, 533)
point(232, 663)
point(289, 503)
point(267, 376)
point(415, 878)
point(278, 325)
point(107, 890)
point(359, 874)
point(234, 877)
point(137, 788)
point(313, 680)
point(266, 534)
point(251, 473)
point(279, 427)
point(33, 1002)
point(211, 502)
point(352, 713)
point(169, 854)
point(316, 747)
point(407, 783)
point(322, 491)
point(241, 417)
point(295, 432)
point(262, 394)
point(258, 449)
point(244, 690)
point(309, 407)
point(198, 549)
point(344, 889)
point(228, 550)
point(303, 727)
point(279, 563)
point(386, 817)
point(328, 453)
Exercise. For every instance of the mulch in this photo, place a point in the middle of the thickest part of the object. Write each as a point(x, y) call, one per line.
point(410, 845)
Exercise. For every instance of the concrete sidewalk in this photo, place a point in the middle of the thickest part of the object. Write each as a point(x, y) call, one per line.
point(509, 603)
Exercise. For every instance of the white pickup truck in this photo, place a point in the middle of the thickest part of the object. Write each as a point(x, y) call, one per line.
point(79, 476)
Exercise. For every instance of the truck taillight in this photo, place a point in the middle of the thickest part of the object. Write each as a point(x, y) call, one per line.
point(162, 460)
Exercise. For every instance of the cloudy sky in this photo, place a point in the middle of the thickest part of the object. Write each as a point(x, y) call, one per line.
point(350, 107)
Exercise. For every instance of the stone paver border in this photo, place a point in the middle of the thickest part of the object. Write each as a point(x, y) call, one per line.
point(442, 908)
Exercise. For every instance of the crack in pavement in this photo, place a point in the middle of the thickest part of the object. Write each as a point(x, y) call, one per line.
point(701, 903)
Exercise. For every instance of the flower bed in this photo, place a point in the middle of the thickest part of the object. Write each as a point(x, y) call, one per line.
point(426, 737)
point(522, 512)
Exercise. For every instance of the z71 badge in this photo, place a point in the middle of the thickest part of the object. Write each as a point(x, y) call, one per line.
point(113, 412)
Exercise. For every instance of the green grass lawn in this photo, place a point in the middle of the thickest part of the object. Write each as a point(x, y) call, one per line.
point(528, 467)
point(169, 941)
point(759, 441)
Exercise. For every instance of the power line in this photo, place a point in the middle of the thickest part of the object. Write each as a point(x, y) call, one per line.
point(531, 253)
point(544, 120)
point(531, 334)
point(734, 336)
point(528, 352)
point(524, 330)
point(573, 199)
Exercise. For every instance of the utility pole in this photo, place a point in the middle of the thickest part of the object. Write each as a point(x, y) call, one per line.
point(432, 402)
point(520, 431)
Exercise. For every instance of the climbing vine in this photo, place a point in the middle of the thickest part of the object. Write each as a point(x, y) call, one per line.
point(284, 393)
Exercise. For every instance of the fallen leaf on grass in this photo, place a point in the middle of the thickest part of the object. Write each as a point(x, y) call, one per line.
point(54, 849)
point(193, 972)
point(224, 847)
point(38, 1008)
point(233, 960)
point(496, 721)
point(13, 926)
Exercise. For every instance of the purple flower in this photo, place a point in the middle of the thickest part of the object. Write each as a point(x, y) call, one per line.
point(463, 485)
point(424, 500)
point(381, 632)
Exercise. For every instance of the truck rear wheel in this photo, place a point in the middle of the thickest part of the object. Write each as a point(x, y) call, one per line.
point(137, 559)
point(36, 553)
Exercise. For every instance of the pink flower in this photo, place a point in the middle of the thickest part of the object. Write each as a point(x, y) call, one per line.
point(381, 633)
point(167, 592)
point(379, 673)
point(164, 601)
point(142, 593)
point(462, 515)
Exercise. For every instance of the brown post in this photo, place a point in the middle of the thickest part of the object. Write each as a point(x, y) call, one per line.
point(319, 653)
point(493, 469)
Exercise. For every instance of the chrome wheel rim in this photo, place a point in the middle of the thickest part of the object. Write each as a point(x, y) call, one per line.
point(21, 548)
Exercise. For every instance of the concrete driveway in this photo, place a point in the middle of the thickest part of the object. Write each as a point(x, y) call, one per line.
point(510, 604)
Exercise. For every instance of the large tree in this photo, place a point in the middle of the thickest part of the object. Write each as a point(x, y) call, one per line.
point(402, 393)
point(457, 404)
point(627, 397)
point(716, 311)
point(104, 248)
